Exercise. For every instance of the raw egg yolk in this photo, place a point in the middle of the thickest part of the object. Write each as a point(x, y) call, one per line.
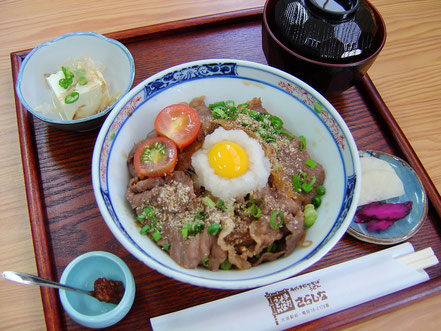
point(228, 159)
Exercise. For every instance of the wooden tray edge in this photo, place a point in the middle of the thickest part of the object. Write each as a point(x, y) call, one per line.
point(37, 217)
point(186, 24)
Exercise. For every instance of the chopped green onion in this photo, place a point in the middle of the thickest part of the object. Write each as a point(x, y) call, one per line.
point(145, 229)
point(205, 262)
point(257, 210)
point(310, 163)
point(221, 205)
point(261, 201)
point(288, 134)
point(72, 97)
point(224, 110)
point(67, 73)
point(316, 201)
point(147, 213)
point(226, 265)
point(276, 122)
point(208, 202)
point(191, 229)
point(321, 190)
point(218, 113)
point(254, 209)
point(65, 83)
point(214, 229)
point(197, 227)
point(154, 222)
point(271, 248)
point(234, 115)
point(217, 104)
point(166, 247)
point(296, 183)
point(273, 219)
point(307, 187)
point(156, 235)
point(318, 107)
point(81, 75)
point(82, 80)
point(258, 116)
point(246, 203)
point(184, 231)
point(302, 144)
point(67, 80)
point(243, 107)
point(310, 215)
point(268, 138)
point(200, 215)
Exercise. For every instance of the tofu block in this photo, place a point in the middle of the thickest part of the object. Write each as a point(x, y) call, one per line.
point(93, 96)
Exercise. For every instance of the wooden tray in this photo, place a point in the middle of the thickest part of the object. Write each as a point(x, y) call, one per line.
point(65, 219)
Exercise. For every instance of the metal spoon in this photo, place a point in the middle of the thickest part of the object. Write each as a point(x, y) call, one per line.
point(28, 279)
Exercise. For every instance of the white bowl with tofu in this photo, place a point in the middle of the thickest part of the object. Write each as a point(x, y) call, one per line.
point(74, 80)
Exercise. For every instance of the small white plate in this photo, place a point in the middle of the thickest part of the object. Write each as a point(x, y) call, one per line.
point(405, 228)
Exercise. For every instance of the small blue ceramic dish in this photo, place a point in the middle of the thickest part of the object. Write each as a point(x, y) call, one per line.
point(82, 273)
point(48, 57)
point(405, 228)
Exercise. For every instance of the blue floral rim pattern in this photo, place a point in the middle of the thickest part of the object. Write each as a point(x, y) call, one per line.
point(225, 70)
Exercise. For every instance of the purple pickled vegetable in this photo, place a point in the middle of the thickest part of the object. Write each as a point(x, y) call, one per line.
point(383, 211)
point(381, 215)
point(373, 225)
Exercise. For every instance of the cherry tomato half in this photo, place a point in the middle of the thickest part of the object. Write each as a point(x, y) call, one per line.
point(155, 157)
point(179, 123)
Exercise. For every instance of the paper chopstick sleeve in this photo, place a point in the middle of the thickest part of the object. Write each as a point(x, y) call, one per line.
point(303, 298)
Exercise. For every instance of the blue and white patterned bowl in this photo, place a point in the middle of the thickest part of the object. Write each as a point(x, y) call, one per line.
point(304, 112)
point(47, 58)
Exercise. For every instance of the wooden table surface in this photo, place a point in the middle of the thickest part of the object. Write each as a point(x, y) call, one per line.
point(407, 74)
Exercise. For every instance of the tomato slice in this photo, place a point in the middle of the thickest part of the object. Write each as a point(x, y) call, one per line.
point(179, 123)
point(155, 157)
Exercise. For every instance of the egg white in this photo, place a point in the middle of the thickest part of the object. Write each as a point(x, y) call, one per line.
point(255, 178)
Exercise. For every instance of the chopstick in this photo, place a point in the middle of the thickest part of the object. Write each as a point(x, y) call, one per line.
point(420, 260)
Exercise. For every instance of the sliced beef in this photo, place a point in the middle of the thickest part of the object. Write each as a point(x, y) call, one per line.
point(191, 252)
point(139, 199)
point(184, 157)
point(256, 104)
point(264, 234)
point(296, 226)
point(291, 161)
point(240, 260)
point(207, 126)
point(169, 193)
point(244, 240)
point(217, 256)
